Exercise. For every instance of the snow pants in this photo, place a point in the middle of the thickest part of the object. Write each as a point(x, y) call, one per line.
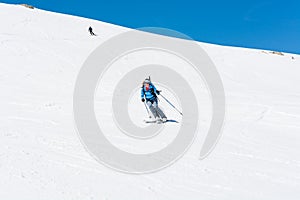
point(155, 110)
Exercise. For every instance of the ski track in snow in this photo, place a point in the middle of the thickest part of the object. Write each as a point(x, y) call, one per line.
point(41, 157)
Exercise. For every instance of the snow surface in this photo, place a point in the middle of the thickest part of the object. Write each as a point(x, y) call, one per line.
point(41, 157)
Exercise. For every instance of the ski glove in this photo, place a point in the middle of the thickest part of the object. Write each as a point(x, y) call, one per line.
point(157, 92)
point(143, 100)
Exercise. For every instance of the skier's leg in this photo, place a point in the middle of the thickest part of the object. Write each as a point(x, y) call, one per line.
point(152, 109)
point(159, 112)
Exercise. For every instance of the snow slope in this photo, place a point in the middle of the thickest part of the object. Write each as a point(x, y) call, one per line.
point(41, 157)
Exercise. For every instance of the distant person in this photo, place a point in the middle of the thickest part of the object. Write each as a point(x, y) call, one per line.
point(91, 31)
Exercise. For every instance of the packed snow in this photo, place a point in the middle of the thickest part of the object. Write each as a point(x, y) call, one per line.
point(41, 156)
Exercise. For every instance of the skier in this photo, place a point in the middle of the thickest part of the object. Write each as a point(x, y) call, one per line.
point(91, 31)
point(149, 94)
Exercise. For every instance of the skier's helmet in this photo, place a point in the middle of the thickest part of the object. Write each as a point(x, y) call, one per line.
point(147, 80)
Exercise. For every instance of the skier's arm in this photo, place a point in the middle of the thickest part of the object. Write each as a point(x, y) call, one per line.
point(142, 92)
point(155, 90)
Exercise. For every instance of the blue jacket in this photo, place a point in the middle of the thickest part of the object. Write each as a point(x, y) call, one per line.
point(150, 94)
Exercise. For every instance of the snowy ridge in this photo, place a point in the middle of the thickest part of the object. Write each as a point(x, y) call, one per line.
point(41, 157)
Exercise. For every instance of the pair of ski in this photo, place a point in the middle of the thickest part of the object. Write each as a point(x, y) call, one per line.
point(159, 121)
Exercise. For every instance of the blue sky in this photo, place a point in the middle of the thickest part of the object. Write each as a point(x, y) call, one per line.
point(273, 25)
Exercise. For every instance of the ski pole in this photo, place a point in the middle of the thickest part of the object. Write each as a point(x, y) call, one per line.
point(147, 110)
point(171, 104)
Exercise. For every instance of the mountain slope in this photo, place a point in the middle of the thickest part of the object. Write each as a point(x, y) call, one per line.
point(41, 156)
